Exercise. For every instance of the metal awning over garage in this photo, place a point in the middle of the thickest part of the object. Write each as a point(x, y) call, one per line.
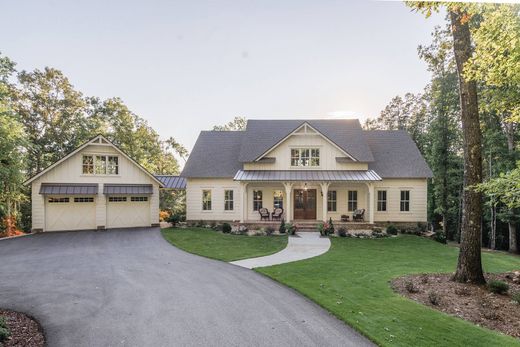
point(308, 175)
point(172, 182)
point(118, 189)
point(68, 189)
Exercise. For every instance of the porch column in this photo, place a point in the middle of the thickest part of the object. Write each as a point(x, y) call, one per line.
point(371, 201)
point(324, 199)
point(243, 213)
point(288, 204)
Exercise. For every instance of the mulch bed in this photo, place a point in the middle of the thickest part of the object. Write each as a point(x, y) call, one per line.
point(467, 301)
point(25, 331)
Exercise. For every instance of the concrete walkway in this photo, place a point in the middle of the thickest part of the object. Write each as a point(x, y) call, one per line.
point(302, 246)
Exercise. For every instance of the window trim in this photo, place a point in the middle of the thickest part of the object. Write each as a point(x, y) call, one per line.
point(310, 157)
point(258, 203)
point(352, 201)
point(384, 201)
point(406, 202)
point(229, 202)
point(332, 202)
point(94, 162)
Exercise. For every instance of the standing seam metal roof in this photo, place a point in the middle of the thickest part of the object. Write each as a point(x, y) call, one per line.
point(307, 175)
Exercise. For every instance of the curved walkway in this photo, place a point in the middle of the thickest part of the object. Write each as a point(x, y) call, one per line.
point(132, 288)
point(302, 246)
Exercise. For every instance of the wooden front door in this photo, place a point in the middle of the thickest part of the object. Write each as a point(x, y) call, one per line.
point(305, 204)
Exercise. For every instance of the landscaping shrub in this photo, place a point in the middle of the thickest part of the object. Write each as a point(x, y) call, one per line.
point(164, 215)
point(342, 232)
point(4, 331)
point(213, 225)
point(498, 287)
point(422, 227)
point(291, 229)
point(174, 219)
point(282, 227)
point(434, 298)
point(516, 297)
point(391, 230)
point(327, 228)
point(201, 224)
point(439, 236)
point(226, 228)
point(410, 287)
point(269, 231)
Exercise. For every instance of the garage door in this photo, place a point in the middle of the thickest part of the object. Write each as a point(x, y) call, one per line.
point(70, 213)
point(128, 211)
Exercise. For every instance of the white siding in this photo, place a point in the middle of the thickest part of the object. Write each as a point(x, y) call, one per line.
point(70, 171)
point(217, 186)
point(418, 200)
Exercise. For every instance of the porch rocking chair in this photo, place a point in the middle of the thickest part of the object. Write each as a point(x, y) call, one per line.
point(359, 215)
point(264, 213)
point(277, 213)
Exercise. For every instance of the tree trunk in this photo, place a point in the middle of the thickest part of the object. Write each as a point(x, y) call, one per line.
point(512, 238)
point(469, 266)
point(493, 236)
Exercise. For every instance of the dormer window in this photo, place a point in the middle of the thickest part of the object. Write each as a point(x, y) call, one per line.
point(100, 165)
point(305, 157)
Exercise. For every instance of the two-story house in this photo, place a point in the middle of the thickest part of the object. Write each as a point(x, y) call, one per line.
point(313, 169)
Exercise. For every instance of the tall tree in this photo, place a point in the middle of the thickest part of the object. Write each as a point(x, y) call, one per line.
point(238, 123)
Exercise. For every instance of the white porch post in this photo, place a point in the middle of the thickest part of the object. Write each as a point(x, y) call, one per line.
point(371, 199)
point(243, 214)
point(324, 199)
point(288, 204)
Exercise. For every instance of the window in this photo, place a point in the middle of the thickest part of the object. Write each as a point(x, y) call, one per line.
point(84, 199)
point(139, 198)
point(100, 165)
point(305, 157)
point(381, 200)
point(405, 200)
point(88, 164)
point(277, 199)
point(331, 201)
point(206, 200)
point(117, 198)
point(113, 165)
point(58, 200)
point(257, 200)
point(228, 200)
point(352, 200)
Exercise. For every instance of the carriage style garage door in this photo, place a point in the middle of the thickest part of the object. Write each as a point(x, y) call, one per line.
point(70, 213)
point(128, 211)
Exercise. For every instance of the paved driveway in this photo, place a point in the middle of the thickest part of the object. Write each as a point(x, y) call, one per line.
point(132, 288)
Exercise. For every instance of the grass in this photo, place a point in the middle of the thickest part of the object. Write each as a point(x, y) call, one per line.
point(352, 282)
point(225, 247)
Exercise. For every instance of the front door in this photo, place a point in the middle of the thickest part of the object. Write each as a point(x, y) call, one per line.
point(305, 204)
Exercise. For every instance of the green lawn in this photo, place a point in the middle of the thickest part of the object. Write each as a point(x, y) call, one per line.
point(226, 247)
point(352, 282)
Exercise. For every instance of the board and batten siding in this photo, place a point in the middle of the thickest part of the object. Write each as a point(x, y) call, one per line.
point(328, 154)
point(418, 188)
point(71, 171)
point(194, 188)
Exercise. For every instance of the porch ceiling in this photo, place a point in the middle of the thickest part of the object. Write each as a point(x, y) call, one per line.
point(307, 175)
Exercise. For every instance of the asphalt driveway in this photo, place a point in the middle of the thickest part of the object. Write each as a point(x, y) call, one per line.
point(132, 288)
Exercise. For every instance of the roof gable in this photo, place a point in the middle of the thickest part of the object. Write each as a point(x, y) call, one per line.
point(98, 140)
point(261, 136)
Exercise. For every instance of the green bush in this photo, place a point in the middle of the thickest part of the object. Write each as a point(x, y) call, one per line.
point(498, 287)
point(4, 330)
point(439, 236)
point(201, 224)
point(226, 228)
point(342, 232)
point(391, 229)
point(282, 227)
point(516, 297)
point(269, 231)
point(291, 229)
point(174, 219)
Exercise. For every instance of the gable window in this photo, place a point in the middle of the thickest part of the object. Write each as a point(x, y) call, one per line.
point(88, 164)
point(305, 157)
point(352, 200)
point(381, 200)
point(257, 200)
point(405, 200)
point(206, 200)
point(100, 165)
point(113, 165)
point(228, 200)
point(277, 199)
point(331, 201)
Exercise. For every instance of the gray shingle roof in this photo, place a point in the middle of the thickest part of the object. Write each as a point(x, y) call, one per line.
point(261, 135)
point(172, 182)
point(215, 154)
point(396, 155)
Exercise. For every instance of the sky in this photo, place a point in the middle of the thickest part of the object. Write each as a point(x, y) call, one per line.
point(188, 65)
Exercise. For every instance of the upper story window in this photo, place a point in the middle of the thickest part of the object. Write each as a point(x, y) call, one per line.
point(100, 165)
point(305, 157)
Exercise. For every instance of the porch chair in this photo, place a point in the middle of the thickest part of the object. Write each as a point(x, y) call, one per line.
point(264, 213)
point(359, 215)
point(277, 213)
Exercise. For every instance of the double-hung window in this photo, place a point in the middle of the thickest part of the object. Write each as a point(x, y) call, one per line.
point(228, 200)
point(206, 200)
point(381, 200)
point(405, 200)
point(257, 200)
point(305, 157)
point(352, 200)
point(331, 201)
point(277, 199)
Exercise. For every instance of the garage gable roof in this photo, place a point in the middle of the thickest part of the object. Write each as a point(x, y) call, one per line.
point(99, 139)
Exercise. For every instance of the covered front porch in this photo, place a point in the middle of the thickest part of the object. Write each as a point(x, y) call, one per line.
point(308, 196)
